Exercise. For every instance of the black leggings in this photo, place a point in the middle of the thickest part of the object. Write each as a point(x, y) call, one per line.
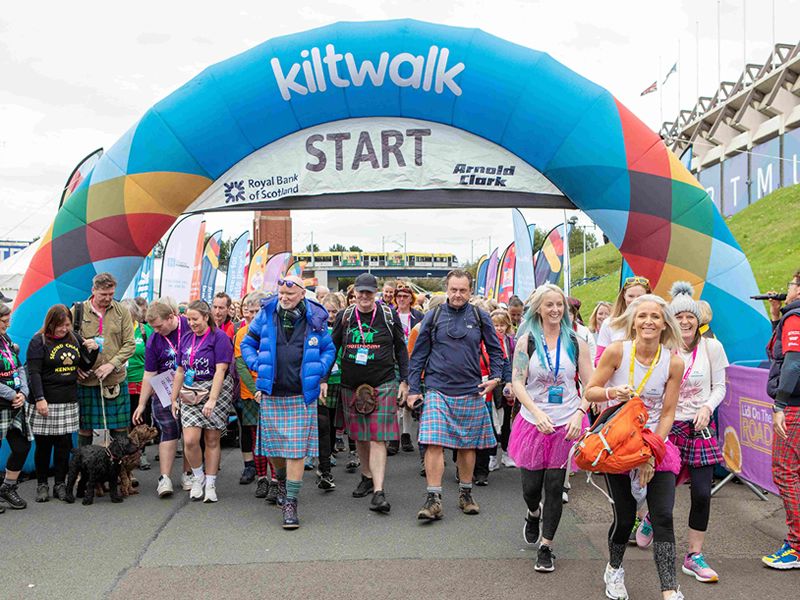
point(20, 446)
point(58, 446)
point(660, 502)
point(246, 436)
point(552, 482)
point(324, 432)
point(701, 497)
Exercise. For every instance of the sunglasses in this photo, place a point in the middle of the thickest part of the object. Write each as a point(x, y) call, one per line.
point(290, 284)
point(637, 281)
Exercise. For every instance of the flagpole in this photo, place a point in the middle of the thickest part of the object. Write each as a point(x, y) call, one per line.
point(678, 73)
point(719, 48)
point(660, 96)
point(697, 59)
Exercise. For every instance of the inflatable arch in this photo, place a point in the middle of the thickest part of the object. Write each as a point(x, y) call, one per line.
point(567, 135)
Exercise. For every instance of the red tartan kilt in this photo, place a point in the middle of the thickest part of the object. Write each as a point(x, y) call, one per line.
point(695, 451)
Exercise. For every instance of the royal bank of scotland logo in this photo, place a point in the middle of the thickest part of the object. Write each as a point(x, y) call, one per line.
point(234, 191)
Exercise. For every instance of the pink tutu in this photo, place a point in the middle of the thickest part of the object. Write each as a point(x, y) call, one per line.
point(534, 450)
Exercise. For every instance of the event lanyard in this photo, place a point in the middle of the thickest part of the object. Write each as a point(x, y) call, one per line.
point(8, 355)
point(99, 318)
point(358, 319)
point(691, 366)
point(200, 345)
point(173, 348)
point(649, 371)
point(558, 356)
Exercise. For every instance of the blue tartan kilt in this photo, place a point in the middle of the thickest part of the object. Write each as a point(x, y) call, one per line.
point(456, 421)
point(287, 427)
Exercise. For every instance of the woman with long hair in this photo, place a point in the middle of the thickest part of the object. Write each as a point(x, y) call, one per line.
point(203, 394)
point(632, 288)
point(55, 355)
point(643, 365)
point(601, 312)
point(693, 432)
point(548, 360)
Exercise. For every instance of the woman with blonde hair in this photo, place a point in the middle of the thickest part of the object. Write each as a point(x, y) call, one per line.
point(601, 312)
point(610, 331)
point(644, 366)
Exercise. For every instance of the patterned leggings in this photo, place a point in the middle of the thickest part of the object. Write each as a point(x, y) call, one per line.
point(786, 473)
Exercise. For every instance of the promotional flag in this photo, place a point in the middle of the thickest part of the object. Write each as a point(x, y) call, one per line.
point(255, 273)
point(142, 284)
point(505, 280)
point(210, 267)
point(550, 259)
point(236, 277)
point(177, 262)
point(650, 89)
point(79, 174)
point(480, 279)
point(197, 265)
point(674, 69)
point(296, 268)
point(491, 274)
point(524, 278)
point(275, 269)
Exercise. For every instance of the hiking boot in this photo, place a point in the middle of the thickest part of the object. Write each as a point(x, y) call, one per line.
point(545, 560)
point(9, 495)
point(290, 518)
point(379, 503)
point(42, 492)
point(392, 448)
point(644, 533)
point(272, 492)
point(352, 462)
point(467, 505)
point(432, 509)
point(60, 491)
point(532, 530)
point(615, 583)
point(364, 488)
point(262, 487)
point(325, 481)
point(248, 474)
point(695, 564)
point(280, 497)
point(405, 443)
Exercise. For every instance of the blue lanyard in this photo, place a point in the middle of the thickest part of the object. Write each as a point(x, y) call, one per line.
point(558, 355)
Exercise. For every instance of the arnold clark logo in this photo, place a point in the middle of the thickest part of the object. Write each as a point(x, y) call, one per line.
point(309, 76)
point(234, 191)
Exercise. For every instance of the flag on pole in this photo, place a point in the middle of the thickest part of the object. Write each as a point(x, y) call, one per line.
point(238, 261)
point(524, 278)
point(210, 267)
point(650, 89)
point(674, 69)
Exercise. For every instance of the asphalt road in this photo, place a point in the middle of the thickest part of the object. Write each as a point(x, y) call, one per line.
point(152, 548)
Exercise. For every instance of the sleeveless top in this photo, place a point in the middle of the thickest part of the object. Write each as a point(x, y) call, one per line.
point(653, 393)
point(540, 378)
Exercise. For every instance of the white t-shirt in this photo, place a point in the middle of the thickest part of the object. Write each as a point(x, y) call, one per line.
point(705, 383)
point(405, 320)
point(540, 378)
point(607, 336)
point(587, 336)
point(653, 393)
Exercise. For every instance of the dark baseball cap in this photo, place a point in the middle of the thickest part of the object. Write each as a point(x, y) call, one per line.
point(366, 282)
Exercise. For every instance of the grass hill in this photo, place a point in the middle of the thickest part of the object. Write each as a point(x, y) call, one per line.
point(768, 232)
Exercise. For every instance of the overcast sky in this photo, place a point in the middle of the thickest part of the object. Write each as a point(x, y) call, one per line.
point(76, 76)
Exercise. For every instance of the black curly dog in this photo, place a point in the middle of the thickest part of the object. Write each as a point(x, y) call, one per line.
point(98, 464)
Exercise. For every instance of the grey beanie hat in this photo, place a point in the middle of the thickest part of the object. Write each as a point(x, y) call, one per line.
point(682, 301)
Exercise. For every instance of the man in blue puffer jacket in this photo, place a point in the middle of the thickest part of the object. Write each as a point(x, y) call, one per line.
point(289, 348)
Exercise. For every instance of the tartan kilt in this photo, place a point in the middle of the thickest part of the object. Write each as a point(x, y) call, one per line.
point(249, 412)
point(117, 410)
point(192, 416)
point(456, 421)
point(695, 451)
point(332, 399)
point(287, 427)
point(61, 419)
point(378, 426)
point(18, 419)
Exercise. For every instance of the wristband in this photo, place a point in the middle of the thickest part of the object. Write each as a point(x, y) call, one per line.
point(607, 396)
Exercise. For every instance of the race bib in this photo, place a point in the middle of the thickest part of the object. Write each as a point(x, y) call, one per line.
point(555, 394)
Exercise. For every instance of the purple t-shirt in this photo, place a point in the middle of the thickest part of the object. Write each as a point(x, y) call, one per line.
point(160, 353)
point(216, 348)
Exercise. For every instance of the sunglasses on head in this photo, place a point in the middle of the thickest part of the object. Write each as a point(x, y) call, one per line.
point(290, 284)
point(637, 281)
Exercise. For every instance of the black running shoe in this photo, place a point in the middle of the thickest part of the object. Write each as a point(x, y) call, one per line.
point(325, 481)
point(545, 559)
point(532, 531)
point(364, 488)
point(379, 503)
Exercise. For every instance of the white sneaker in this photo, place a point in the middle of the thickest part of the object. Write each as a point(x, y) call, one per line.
point(211, 492)
point(196, 492)
point(508, 462)
point(615, 583)
point(676, 595)
point(186, 481)
point(493, 464)
point(164, 488)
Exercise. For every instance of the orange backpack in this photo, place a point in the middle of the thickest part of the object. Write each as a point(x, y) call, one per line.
point(615, 443)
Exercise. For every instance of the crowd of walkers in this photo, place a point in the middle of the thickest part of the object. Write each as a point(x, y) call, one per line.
point(511, 384)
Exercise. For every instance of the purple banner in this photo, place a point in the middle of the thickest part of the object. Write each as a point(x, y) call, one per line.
point(745, 426)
